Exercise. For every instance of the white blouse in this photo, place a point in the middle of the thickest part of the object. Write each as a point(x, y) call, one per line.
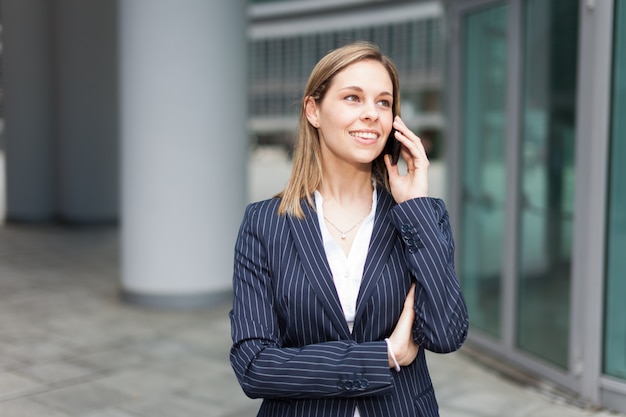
point(347, 270)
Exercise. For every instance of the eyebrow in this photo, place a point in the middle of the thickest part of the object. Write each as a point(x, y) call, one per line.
point(357, 88)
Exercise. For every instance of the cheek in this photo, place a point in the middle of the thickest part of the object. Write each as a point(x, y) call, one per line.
point(338, 121)
point(388, 124)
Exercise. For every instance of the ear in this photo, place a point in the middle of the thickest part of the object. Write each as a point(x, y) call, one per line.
point(311, 111)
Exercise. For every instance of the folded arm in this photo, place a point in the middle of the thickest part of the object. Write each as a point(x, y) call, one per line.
point(441, 323)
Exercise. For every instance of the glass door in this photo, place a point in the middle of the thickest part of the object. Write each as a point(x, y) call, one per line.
point(483, 164)
point(546, 194)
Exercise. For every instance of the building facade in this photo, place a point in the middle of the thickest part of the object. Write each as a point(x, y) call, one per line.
point(536, 138)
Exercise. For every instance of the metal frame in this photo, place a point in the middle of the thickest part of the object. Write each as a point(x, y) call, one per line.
point(511, 249)
point(319, 23)
point(593, 115)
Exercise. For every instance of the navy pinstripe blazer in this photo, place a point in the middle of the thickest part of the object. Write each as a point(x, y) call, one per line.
point(291, 343)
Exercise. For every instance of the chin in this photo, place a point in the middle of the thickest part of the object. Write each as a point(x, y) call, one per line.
point(367, 160)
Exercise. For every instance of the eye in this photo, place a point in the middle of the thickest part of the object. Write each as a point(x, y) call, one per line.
point(385, 103)
point(352, 97)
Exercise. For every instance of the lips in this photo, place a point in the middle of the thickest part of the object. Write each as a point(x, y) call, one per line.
point(365, 135)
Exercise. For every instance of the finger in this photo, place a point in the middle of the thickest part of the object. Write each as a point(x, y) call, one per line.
point(412, 144)
point(402, 128)
point(408, 151)
point(392, 170)
point(404, 326)
point(410, 297)
point(408, 312)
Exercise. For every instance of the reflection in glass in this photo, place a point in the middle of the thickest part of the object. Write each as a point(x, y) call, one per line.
point(615, 343)
point(547, 178)
point(484, 170)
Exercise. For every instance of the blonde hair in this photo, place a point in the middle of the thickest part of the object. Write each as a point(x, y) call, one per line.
point(306, 173)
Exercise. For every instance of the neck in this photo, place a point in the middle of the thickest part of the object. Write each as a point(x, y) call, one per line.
point(345, 193)
point(347, 188)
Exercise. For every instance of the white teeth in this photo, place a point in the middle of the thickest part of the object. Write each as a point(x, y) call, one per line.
point(365, 135)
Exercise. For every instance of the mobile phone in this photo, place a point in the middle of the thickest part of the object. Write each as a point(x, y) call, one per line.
point(393, 147)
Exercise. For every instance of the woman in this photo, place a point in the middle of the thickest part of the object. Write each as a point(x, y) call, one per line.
point(343, 279)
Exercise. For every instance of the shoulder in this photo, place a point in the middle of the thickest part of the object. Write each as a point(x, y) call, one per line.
point(263, 206)
point(263, 214)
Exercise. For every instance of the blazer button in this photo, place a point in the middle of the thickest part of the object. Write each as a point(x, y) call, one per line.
point(364, 383)
point(341, 385)
point(405, 228)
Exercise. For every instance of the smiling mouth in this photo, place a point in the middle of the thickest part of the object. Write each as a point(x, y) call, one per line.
point(365, 135)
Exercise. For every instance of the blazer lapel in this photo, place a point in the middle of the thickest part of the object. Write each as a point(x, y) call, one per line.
point(378, 252)
point(308, 240)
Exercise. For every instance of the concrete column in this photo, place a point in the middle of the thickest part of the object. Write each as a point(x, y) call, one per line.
point(184, 147)
point(28, 113)
point(86, 105)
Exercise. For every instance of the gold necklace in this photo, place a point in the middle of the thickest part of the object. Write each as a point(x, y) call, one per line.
point(344, 234)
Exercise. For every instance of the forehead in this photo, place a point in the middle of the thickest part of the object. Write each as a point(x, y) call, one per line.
point(368, 75)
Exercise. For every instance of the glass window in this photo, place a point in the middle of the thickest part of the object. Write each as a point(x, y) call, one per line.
point(615, 335)
point(484, 168)
point(548, 118)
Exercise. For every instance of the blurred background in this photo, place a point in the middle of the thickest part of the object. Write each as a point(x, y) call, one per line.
point(161, 120)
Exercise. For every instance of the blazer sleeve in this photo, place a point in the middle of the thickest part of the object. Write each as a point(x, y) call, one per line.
point(442, 321)
point(265, 368)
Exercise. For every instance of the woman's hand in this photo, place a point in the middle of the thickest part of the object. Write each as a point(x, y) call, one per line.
point(401, 340)
point(415, 183)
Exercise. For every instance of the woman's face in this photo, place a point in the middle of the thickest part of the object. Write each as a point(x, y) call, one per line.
point(355, 116)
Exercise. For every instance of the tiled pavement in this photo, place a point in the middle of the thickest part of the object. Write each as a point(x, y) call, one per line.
point(70, 348)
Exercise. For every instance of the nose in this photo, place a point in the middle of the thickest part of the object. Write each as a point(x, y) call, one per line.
point(370, 112)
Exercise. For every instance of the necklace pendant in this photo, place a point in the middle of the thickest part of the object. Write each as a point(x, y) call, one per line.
point(343, 236)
